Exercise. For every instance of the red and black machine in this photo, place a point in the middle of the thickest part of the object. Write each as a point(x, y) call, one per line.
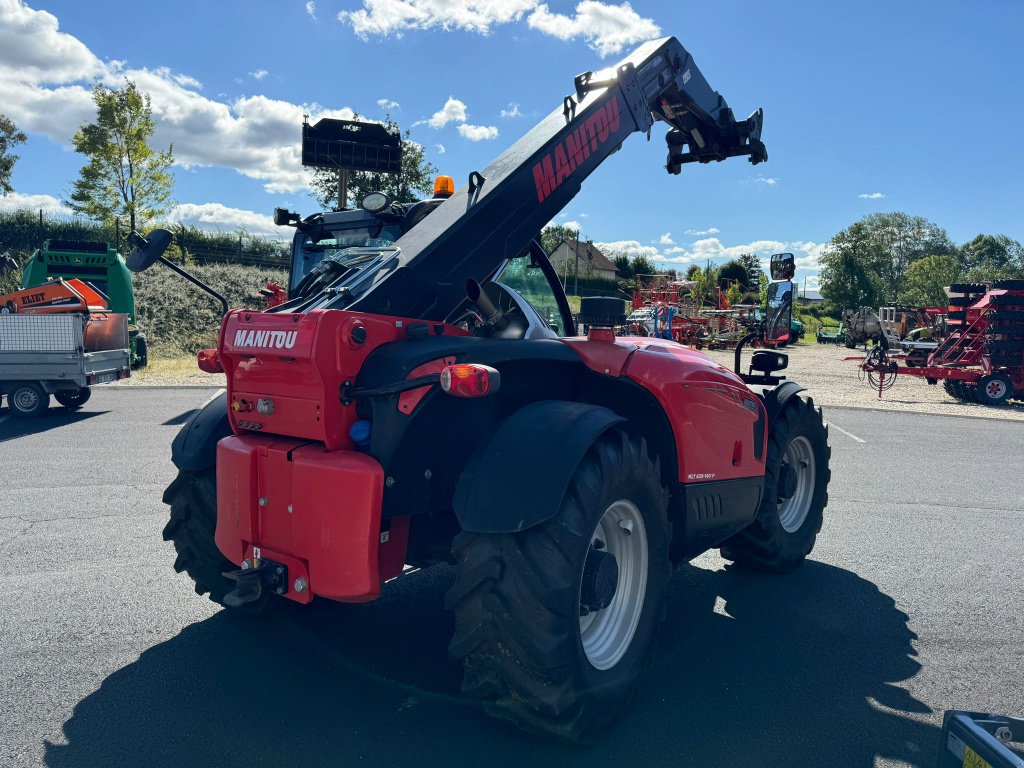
point(433, 401)
point(981, 358)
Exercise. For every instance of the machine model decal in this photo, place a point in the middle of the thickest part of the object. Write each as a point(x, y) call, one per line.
point(266, 339)
point(555, 167)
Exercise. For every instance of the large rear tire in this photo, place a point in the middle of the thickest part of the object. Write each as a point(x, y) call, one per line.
point(192, 527)
point(536, 644)
point(795, 494)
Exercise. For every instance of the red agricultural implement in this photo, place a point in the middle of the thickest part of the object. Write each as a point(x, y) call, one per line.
point(981, 359)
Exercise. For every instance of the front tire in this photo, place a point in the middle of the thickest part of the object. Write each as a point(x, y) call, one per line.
point(795, 494)
point(192, 527)
point(536, 643)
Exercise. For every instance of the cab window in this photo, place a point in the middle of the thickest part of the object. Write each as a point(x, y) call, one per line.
point(530, 283)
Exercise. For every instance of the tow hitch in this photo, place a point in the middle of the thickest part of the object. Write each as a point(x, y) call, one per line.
point(251, 580)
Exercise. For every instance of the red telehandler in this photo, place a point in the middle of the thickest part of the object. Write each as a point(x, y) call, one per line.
point(430, 401)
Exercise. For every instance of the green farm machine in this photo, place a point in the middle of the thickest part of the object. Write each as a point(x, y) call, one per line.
point(98, 264)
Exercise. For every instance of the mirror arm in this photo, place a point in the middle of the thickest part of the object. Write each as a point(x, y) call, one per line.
point(195, 281)
point(739, 350)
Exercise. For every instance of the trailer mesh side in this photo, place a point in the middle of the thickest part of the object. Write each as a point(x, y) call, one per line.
point(40, 333)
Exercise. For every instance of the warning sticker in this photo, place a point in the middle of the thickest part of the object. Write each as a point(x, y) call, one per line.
point(973, 760)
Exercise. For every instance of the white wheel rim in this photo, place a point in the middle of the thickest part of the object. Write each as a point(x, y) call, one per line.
point(25, 399)
point(606, 634)
point(995, 389)
point(793, 511)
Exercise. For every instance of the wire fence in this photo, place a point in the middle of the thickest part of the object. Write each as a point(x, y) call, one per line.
point(22, 231)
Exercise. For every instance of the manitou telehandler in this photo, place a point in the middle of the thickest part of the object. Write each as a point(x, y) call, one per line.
point(413, 403)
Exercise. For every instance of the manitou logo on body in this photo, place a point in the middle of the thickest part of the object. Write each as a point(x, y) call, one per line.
point(265, 339)
point(556, 166)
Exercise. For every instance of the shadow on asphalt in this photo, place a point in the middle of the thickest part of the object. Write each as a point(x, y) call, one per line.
point(181, 418)
point(751, 671)
point(54, 418)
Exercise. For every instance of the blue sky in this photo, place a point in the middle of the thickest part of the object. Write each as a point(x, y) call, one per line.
point(869, 106)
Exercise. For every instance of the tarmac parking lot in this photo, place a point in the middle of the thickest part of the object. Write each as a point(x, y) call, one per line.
point(911, 605)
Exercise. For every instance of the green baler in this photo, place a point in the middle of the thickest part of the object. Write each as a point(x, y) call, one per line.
point(98, 264)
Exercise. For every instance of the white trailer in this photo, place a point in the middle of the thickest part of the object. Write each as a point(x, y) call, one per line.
point(61, 355)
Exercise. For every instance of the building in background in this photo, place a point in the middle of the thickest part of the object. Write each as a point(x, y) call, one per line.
point(592, 263)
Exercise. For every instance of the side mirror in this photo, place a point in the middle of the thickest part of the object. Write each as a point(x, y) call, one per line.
point(779, 312)
point(783, 266)
point(146, 251)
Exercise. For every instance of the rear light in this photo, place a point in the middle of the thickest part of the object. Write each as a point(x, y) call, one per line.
point(209, 361)
point(469, 380)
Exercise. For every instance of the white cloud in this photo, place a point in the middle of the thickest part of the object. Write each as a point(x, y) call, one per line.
point(221, 217)
point(627, 248)
point(478, 132)
point(38, 51)
point(311, 10)
point(388, 104)
point(23, 202)
point(392, 17)
point(259, 74)
point(45, 76)
point(453, 111)
point(575, 226)
point(512, 111)
point(584, 215)
point(440, 149)
point(712, 249)
point(607, 28)
point(871, 195)
point(771, 182)
point(702, 232)
point(666, 239)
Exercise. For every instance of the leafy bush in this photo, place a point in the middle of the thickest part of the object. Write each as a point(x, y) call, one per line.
point(178, 318)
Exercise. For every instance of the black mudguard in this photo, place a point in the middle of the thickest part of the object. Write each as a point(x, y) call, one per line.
point(775, 400)
point(195, 446)
point(516, 479)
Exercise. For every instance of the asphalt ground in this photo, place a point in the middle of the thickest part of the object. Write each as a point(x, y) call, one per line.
point(912, 604)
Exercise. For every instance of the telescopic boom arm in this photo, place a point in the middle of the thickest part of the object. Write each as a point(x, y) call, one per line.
point(503, 207)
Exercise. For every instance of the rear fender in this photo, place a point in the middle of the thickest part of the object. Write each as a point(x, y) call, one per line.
point(516, 478)
point(775, 400)
point(195, 446)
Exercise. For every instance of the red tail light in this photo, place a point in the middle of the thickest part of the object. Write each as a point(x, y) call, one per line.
point(209, 361)
point(469, 380)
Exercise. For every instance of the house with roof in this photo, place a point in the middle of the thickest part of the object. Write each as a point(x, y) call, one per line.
point(592, 263)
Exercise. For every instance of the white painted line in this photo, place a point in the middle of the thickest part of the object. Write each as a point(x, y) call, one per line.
point(850, 435)
point(212, 397)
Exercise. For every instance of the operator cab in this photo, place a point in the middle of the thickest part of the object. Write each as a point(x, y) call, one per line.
point(377, 223)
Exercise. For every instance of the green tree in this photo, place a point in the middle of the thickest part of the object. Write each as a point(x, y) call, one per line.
point(124, 175)
point(414, 181)
point(692, 271)
point(10, 136)
point(992, 253)
point(927, 277)
point(623, 267)
point(869, 259)
point(752, 264)
point(845, 280)
point(733, 271)
point(553, 234)
point(641, 265)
